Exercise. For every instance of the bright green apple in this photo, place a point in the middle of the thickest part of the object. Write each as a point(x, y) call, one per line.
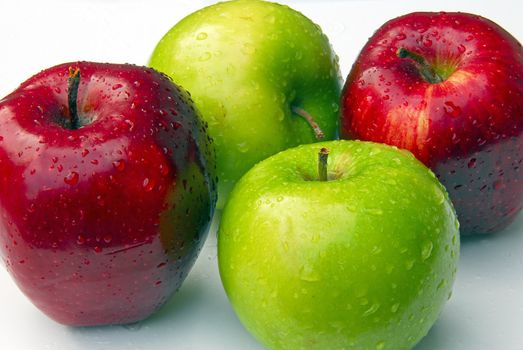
point(364, 258)
point(256, 71)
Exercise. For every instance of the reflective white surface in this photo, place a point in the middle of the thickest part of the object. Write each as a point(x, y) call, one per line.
point(486, 310)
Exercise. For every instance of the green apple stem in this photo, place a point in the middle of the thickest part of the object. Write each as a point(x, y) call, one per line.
point(72, 96)
point(323, 156)
point(425, 69)
point(310, 119)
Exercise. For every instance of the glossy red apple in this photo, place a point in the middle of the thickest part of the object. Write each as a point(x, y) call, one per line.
point(449, 88)
point(105, 197)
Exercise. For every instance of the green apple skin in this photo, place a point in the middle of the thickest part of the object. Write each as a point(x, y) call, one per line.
point(365, 260)
point(247, 63)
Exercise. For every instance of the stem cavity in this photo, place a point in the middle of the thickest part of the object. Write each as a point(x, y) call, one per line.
point(310, 119)
point(323, 157)
point(73, 83)
point(426, 71)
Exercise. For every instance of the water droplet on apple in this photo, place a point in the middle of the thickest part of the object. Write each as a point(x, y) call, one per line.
point(85, 152)
point(451, 109)
point(248, 49)
point(461, 48)
point(394, 308)
point(119, 165)
point(243, 147)
point(108, 239)
point(498, 185)
point(472, 163)
point(401, 36)
point(308, 274)
point(130, 124)
point(380, 345)
point(148, 184)
point(201, 36)
point(426, 250)
point(72, 178)
point(205, 56)
point(371, 310)
point(441, 284)
point(117, 86)
point(470, 37)
point(409, 264)
point(427, 42)
point(97, 249)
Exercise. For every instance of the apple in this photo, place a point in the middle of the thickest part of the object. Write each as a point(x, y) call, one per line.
point(361, 255)
point(106, 191)
point(263, 76)
point(447, 87)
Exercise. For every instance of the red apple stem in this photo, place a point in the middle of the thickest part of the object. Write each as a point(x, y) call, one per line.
point(425, 69)
point(310, 119)
point(323, 157)
point(72, 96)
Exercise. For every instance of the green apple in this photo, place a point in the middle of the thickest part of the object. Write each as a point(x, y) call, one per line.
point(361, 256)
point(261, 74)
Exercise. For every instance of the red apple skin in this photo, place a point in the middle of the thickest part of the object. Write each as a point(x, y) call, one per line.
point(100, 225)
point(468, 129)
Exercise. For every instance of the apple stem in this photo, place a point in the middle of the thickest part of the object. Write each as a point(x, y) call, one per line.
point(72, 96)
point(426, 70)
point(310, 119)
point(323, 156)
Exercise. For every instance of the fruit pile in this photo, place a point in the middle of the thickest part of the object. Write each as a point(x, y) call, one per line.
point(110, 173)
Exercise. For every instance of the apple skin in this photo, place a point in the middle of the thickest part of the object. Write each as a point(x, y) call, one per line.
point(365, 260)
point(100, 225)
point(247, 63)
point(468, 129)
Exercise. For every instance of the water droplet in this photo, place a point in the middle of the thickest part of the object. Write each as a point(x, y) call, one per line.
point(117, 86)
point(462, 48)
point(85, 152)
point(243, 147)
point(498, 185)
point(308, 274)
point(119, 165)
point(94, 161)
point(394, 308)
point(130, 124)
point(426, 250)
point(371, 310)
point(148, 185)
point(427, 42)
point(97, 249)
point(380, 345)
point(401, 36)
point(57, 90)
point(205, 56)
point(80, 240)
point(472, 163)
point(248, 49)
point(71, 178)
point(470, 37)
point(452, 109)
point(201, 36)
point(108, 239)
point(409, 264)
point(441, 284)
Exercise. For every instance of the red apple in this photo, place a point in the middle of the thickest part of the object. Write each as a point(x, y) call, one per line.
point(106, 190)
point(449, 88)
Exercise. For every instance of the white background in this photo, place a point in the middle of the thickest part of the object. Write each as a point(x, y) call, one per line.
point(486, 310)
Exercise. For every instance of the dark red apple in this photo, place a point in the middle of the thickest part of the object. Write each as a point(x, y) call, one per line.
point(449, 88)
point(106, 190)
